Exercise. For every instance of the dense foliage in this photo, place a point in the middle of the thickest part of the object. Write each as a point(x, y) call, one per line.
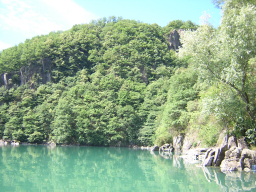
point(115, 82)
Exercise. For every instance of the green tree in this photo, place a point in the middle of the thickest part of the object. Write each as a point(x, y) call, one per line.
point(227, 56)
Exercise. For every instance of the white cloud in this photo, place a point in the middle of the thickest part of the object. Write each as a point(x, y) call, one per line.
point(70, 11)
point(32, 18)
point(4, 45)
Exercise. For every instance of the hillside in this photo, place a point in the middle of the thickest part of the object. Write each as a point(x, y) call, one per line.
point(122, 82)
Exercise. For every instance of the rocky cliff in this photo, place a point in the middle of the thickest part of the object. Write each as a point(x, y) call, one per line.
point(37, 72)
point(174, 40)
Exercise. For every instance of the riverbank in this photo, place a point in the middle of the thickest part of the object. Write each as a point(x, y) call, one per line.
point(230, 155)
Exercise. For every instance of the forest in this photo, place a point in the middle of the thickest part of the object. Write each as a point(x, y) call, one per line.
point(117, 82)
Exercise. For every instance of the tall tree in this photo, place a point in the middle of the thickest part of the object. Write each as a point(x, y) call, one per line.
point(227, 55)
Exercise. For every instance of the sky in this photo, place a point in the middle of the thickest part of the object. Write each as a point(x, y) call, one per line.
point(24, 19)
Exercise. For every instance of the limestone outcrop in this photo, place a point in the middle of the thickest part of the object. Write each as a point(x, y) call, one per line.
point(238, 159)
point(232, 155)
point(37, 72)
point(174, 40)
point(178, 143)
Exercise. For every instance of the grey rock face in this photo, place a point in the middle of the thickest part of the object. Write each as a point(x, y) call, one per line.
point(42, 69)
point(39, 72)
point(237, 159)
point(187, 144)
point(232, 142)
point(178, 143)
point(208, 161)
point(242, 143)
point(155, 148)
point(221, 152)
point(9, 79)
point(174, 40)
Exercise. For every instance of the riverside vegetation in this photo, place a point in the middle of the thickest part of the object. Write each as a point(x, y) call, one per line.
point(117, 82)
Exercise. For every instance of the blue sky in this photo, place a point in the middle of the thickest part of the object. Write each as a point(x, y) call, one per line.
point(23, 19)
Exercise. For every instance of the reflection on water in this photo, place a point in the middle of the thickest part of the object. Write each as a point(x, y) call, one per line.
point(41, 168)
point(233, 181)
point(230, 181)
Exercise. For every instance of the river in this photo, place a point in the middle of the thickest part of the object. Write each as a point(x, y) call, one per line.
point(42, 168)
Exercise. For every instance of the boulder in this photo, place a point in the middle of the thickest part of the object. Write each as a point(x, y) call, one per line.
point(154, 148)
point(235, 154)
point(247, 163)
point(242, 143)
point(237, 159)
point(232, 142)
point(248, 158)
point(230, 165)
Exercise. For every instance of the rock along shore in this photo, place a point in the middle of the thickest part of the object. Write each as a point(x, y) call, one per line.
point(232, 154)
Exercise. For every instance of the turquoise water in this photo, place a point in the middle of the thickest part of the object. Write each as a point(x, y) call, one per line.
point(41, 168)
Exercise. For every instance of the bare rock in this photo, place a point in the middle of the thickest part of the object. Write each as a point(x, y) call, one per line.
point(236, 154)
point(209, 157)
point(221, 136)
point(174, 40)
point(247, 163)
point(208, 161)
point(242, 143)
point(166, 148)
point(247, 153)
point(230, 165)
point(221, 154)
point(187, 144)
point(248, 158)
point(247, 169)
point(232, 142)
point(154, 148)
point(216, 156)
point(178, 143)
point(224, 143)
point(237, 159)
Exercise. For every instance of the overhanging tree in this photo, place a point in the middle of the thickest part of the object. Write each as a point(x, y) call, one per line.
point(227, 55)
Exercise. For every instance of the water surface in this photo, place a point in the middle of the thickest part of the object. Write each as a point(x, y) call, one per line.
point(41, 168)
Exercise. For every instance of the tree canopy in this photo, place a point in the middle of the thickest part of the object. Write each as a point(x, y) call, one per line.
point(115, 82)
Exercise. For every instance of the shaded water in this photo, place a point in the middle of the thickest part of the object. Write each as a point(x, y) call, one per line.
point(40, 168)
